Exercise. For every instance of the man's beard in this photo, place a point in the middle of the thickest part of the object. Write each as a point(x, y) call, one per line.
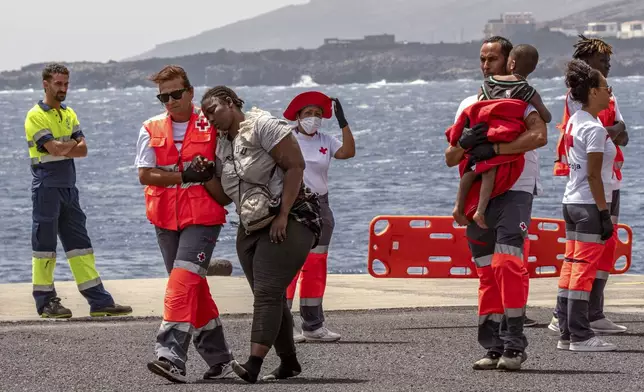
point(60, 97)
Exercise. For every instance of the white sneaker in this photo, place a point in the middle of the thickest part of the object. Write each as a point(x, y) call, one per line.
point(554, 324)
point(297, 336)
point(593, 344)
point(321, 335)
point(606, 327)
point(563, 344)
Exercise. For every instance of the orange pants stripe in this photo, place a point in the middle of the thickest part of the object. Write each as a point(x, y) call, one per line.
point(313, 278)
point(188, 299)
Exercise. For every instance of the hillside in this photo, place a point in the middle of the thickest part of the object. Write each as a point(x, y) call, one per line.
point(403, 63)
point(306, 25)
point(618, 11)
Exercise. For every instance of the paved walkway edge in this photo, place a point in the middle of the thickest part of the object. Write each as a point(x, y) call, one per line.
point(624, 294)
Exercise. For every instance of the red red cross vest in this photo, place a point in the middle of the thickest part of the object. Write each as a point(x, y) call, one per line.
point(178, 206)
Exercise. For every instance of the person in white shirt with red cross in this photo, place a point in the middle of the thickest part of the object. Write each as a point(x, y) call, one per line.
point(318, 148)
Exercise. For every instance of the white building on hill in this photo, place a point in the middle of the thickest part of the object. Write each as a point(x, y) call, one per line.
point(602, 29)
point(632, 29)
point(509, 24)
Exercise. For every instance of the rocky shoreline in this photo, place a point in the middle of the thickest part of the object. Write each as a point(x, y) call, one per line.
point(403, 63)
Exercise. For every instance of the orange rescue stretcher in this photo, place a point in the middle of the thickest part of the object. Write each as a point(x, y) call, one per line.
point(435, 247)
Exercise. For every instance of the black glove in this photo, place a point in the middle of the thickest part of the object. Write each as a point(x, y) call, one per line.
point(199, 171)
point(473, 136)
point(339, 113)
point(607, 225)
point(484, 151)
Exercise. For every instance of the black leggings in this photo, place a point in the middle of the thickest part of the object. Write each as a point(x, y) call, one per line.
point(270, 268)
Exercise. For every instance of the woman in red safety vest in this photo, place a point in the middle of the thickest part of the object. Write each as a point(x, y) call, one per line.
point(318, 148)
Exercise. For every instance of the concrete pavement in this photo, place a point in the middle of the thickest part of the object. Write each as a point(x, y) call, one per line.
point(398, 335)
point(428, 349)
point(624, 293)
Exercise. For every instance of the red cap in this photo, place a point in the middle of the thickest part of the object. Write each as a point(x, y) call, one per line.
point(309, 98)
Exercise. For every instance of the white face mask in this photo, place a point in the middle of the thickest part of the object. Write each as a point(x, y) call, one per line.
point(310, 125)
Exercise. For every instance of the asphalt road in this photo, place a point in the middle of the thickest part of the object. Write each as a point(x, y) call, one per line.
point(393, 350)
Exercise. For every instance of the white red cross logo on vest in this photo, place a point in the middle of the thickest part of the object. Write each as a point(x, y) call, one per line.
point(202, 124)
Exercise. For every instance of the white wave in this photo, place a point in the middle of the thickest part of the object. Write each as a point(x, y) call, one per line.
point(95, 101)
point(384, 83)
point(25, 91)
point(627, 79)
point(124, 169)
point(379, 84)
point(389, 160)
point(140, 88)
point(363, 106)
point(361, 132)
point(305, 81)
point(407, 108)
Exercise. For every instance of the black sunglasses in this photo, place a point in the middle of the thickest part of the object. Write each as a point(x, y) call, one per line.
point(176, 95)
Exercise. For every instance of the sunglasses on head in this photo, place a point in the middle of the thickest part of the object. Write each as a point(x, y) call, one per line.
point(176, 95)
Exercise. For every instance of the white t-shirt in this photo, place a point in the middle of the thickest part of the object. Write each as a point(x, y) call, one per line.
point(574, 107)
point(145, 156)
point(588, 135)
point(318, 150)
point(530, 179)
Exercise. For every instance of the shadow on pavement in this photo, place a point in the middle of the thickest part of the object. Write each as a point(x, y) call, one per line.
point(429, 328)
point(630, 351)
point(358, 342)
point(639, 334)
point(565, 372)
point(291, 381)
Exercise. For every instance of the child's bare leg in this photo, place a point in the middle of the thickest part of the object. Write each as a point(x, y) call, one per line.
point(487, 185)
point(464, 187)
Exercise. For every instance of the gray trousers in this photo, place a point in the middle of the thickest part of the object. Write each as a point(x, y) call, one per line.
point(191, 249)
point(583, 237)
point(502, 290)
point(596, 303)
point(270, 268)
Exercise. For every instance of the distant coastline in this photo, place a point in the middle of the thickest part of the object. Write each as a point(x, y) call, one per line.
point(395, 64)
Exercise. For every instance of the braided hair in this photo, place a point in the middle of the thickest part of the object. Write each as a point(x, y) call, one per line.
point(587, 47)
point(580, 78)
point(222, 92)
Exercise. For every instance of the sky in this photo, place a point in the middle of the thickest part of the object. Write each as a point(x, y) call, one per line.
point(33, 31)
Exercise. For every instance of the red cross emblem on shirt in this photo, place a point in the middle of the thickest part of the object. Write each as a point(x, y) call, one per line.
point(202, 124)
point(323, 150)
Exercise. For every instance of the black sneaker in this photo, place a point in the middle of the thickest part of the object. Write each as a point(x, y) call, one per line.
point(166, 369)
point(54, 309)
point(114, 310)
point(218, 371)
point(282, 372)
point(528, 322)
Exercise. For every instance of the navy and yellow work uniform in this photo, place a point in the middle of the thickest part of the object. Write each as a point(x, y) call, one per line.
point(57, 212)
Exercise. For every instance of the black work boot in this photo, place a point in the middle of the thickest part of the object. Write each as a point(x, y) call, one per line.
point(114, 310)
point(54, 309)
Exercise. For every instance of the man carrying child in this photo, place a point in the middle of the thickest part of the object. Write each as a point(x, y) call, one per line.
point(498, 250)
point(522, 61)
